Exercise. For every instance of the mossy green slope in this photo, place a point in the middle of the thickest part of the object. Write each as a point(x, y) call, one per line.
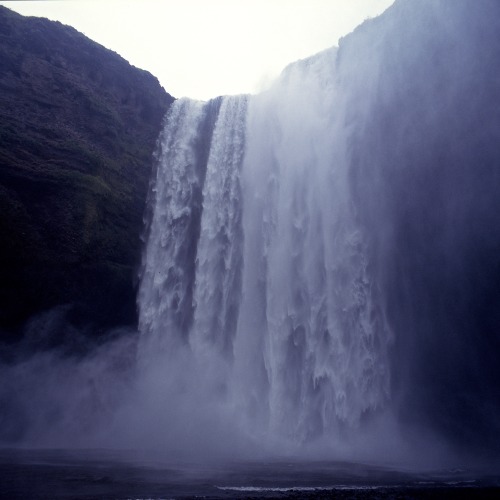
point(78, 127)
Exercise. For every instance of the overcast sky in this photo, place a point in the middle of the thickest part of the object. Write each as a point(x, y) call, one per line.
point(205, 48)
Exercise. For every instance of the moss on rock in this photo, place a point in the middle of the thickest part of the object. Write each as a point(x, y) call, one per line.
point(78, 126)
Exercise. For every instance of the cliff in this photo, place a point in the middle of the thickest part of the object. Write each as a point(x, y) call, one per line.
point(425, 176)
point(78, 127)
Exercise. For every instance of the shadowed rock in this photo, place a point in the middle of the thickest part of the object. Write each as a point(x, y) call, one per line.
point(78, 126)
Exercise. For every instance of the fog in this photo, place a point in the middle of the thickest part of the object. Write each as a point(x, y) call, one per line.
point(109, 399)
point(321, 272)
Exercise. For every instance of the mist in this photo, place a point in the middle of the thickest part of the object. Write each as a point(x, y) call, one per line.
point(321, 271)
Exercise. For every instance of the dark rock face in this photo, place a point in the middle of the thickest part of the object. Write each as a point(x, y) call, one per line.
point(78, 127)
point(426, 174)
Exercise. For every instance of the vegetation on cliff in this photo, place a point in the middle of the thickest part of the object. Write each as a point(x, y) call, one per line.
point(78, 127)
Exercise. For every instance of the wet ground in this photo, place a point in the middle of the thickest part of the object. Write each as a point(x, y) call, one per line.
point(89, 475)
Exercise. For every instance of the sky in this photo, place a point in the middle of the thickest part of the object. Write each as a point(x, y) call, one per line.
point(205, 48)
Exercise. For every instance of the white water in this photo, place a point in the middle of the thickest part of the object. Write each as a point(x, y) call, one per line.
point(219, 256)
point(269, 289)
point(163, 293)
point(285, 232)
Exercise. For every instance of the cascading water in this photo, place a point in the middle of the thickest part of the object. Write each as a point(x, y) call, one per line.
point(256, 264)
point(219, 250)
point(322, 261)
point(321, 274)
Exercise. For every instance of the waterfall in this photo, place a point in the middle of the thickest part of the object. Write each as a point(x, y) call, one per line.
point(256, 263)
point(219, 256)
point(321, 267)
point(323, 256)
point(166, 292)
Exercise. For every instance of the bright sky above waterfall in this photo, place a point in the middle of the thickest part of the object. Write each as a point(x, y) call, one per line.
point(205, 48)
